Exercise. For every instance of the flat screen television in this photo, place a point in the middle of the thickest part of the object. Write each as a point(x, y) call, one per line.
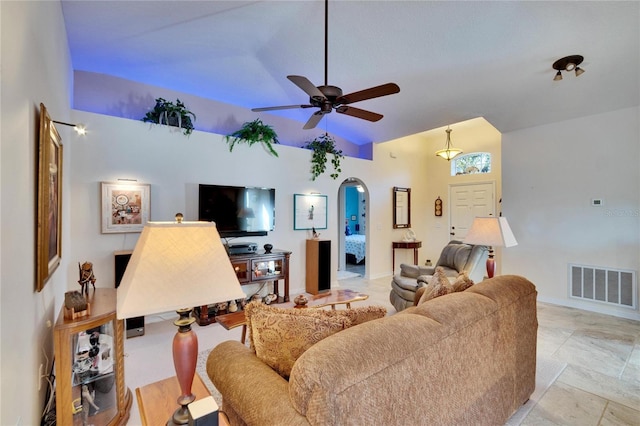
point(238, 211)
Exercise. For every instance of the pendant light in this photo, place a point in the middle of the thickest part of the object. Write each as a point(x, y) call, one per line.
point(448, 152)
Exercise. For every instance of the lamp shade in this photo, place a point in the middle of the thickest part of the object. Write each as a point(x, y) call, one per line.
point(491, 231)
point(175, 266)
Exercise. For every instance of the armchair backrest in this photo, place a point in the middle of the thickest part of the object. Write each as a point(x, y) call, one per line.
point(460, 257)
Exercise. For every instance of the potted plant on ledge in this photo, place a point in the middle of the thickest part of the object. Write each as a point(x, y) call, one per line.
point(321, 147)
point(253, 132)
point(175, 115)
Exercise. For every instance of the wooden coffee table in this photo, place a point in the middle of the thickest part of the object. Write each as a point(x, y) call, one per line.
point(329, 298)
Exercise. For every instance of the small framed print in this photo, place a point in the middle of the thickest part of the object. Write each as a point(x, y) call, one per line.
point(309, 211)
point(125, 206)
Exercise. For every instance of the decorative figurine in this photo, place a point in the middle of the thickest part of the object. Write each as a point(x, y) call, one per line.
point(86, 277)
point(87, 400)
point(301, 300)
point(233, 306)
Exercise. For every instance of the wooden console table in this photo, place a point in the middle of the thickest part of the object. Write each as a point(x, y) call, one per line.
point(254, 268)
point(415, 245)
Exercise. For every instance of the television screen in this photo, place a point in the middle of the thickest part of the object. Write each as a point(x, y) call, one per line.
point(237, 211)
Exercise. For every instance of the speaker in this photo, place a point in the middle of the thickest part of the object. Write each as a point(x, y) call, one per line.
point(318, 274)
point(133, 326)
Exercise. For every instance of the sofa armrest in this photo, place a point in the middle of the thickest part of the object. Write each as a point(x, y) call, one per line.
point(250, 387)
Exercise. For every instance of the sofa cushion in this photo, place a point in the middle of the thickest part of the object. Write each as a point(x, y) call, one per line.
point(279, 336)
point(359, 315)
point(463, 282)
point(439, 285)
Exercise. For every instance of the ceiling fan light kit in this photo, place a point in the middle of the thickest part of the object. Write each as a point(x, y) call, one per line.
point(568, 63)
point(328, 98)
point(449, 152)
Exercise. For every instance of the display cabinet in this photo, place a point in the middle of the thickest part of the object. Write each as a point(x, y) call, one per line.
point(89, 356)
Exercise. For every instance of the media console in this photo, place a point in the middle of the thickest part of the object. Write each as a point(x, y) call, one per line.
point(252, 268)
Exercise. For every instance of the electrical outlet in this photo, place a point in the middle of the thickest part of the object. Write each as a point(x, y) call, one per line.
point(40, 371)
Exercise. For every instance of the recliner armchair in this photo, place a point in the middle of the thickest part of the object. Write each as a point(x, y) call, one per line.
point(455, 258)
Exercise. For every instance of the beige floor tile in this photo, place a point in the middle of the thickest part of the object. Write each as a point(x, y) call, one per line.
point(619, 415)
point(631, 374)
point(606, 353)
point(604, 386)
point(585, 408)
point(550, 339)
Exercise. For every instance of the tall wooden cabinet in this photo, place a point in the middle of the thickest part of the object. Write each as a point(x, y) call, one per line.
point(89, 354)
point(318, 277)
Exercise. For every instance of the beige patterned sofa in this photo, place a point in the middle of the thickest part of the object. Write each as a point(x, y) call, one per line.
point(460, 359)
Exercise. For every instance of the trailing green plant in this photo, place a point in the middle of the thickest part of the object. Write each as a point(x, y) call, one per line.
point(253, 132)
point(166, 112)
point(321, 147)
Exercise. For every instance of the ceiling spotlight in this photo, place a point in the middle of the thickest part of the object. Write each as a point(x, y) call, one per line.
point(568, 63)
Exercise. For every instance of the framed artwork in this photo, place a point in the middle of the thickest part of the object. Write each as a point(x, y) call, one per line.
point(125, 206)
point(49, 226)
point(309, 211)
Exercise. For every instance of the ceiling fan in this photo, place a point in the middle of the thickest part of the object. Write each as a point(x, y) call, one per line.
point(328, 98)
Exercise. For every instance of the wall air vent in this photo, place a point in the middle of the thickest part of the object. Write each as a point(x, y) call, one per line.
point(601, 284)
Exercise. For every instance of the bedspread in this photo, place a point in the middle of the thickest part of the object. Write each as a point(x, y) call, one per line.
point(355, 244)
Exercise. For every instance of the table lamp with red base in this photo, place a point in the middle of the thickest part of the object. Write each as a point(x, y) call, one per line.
point(491, 232)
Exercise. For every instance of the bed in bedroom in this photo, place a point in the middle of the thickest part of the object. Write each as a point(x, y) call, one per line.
point(355, 248)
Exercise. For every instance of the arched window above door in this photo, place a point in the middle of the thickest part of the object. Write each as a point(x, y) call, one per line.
point(476, 162)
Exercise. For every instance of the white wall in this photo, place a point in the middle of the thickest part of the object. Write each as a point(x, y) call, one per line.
point(174, 165)
point(551, 174)
point(431, 178)
point(35, 68)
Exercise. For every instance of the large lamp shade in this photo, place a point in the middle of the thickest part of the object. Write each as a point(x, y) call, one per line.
point(176, 266)
point(492, 232)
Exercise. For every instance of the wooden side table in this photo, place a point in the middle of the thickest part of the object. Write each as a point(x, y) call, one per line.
point(159, 400)
point(415, 245)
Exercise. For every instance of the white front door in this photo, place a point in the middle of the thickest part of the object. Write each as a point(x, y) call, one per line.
point(467, 202)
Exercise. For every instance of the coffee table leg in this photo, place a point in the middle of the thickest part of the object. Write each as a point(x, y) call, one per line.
point(244, 333)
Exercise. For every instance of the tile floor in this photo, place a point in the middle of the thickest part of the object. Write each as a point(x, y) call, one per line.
point(600, 386)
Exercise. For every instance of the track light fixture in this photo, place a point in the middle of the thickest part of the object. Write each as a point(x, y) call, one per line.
point(79, 128)
point(568, 63)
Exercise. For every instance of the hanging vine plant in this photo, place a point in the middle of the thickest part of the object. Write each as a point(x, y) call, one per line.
point(321, 147)
point(253, 132)
point(176, 115)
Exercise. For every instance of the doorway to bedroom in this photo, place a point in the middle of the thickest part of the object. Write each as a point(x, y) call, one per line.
point(352, 215)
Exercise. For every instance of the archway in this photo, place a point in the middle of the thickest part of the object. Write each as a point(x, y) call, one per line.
point(353, 232)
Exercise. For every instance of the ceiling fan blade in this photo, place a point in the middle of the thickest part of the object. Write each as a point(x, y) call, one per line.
point(306, 85)
point(280, 107)
point(314, 120)
point(370, 93)
point(359, 113)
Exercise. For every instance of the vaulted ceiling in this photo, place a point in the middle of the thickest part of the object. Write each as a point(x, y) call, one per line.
point(453, 60)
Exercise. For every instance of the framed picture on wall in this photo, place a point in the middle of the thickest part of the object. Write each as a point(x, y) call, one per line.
point(49, 226)
point(309, 211)
point(125, 206)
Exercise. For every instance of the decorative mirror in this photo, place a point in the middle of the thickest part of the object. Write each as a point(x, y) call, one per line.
point(401, 207)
